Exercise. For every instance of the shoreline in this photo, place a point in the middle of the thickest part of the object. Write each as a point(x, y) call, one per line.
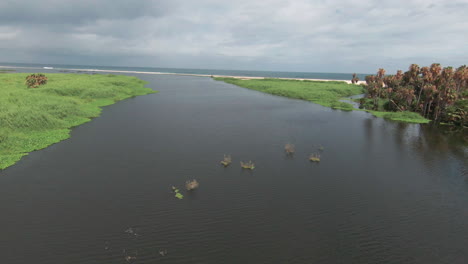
point(27, 131)
point(328, 95)
point(186, 74)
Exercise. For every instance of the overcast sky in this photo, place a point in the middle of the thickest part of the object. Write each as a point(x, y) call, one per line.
point(299, 35)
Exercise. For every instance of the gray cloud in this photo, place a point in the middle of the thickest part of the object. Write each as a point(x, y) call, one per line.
point(60, 12)
point(301, 35)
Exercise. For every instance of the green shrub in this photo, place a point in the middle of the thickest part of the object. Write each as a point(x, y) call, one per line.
point(36, 79)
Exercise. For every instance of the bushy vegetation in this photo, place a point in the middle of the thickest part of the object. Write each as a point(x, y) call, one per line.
point(36, 79)
point(434, 93)
point(32, 119)
point(326, 93)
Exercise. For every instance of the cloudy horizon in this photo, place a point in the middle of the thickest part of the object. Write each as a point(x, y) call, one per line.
point(272, 35)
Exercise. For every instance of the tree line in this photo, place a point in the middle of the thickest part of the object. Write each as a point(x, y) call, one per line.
point(437, 93)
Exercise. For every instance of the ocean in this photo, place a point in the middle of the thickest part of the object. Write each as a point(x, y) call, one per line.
point(273, 74)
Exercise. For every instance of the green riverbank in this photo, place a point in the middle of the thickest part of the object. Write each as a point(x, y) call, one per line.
point(326, 93)
point(34, 118)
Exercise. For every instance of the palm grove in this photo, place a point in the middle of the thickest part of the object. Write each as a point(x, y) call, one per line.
point(439, 94)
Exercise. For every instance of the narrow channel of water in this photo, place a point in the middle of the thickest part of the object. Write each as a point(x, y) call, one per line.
point(383, 192)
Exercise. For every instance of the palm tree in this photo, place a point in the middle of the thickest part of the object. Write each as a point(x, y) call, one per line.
point(380, 84)
point(435, 92)
point(355, 79)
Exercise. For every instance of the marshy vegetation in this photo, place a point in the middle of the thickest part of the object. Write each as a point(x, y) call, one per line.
point(326, 93)
point(32, 119)
point(420, 94)
point(227, 160)
point(416, 96)
point(247, 165)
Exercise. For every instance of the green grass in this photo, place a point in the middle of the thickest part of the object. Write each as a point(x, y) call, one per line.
point(326, 93)
point(409, 117)
point(406, 116)
point(34, 118)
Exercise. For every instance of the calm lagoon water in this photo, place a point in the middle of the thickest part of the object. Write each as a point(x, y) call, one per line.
point(384, 192)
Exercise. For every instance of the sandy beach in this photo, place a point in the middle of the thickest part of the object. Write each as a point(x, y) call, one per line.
point(181, 74)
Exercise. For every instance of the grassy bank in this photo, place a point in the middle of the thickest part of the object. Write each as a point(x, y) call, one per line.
point(326, 93)
point(408, 117)
point(34, 118)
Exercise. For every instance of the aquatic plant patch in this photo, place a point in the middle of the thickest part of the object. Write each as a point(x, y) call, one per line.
point(314, 157)
point(227, 160)
point(247, 165)
point(177, 193)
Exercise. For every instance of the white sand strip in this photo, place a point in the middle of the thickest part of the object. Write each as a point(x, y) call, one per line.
point(188, 74)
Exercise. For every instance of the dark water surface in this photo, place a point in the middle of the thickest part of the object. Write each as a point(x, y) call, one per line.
point(383, 193)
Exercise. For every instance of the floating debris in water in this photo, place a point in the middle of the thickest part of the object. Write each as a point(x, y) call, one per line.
point(321, 148)
point(191, 185)
point(314, 157)
point(247, 165)
point(129, 258)
point(131, 231)
point(163, 252)
point(227, 160)
point(290, 149)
